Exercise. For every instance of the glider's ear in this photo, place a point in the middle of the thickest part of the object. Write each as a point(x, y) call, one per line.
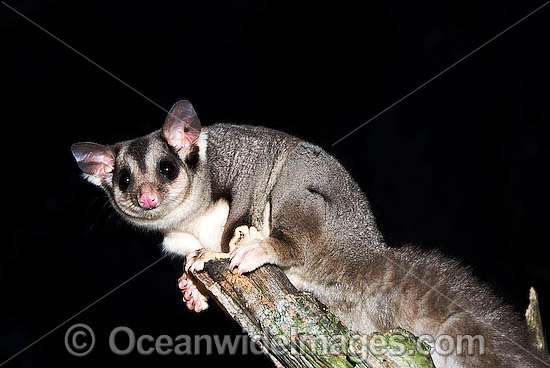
point(182, 126)
point(94, 159)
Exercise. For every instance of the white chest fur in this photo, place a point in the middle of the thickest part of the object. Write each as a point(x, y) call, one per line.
point(204, 231)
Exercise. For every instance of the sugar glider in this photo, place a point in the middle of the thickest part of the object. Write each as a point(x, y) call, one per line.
point(297, 208)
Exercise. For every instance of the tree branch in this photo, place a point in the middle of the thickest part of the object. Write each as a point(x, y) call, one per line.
point(534, 321)
point(295, 330)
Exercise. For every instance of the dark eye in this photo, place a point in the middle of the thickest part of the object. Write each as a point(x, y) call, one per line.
point(168, 169)
point(124, 179)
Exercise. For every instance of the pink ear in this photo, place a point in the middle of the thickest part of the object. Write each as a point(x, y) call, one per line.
point(182, 126)
point(94, 159)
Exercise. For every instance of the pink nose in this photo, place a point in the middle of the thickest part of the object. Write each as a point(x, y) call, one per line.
point(148, 198)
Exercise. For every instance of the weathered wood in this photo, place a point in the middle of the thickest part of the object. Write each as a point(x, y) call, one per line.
point(534, 321)
point(295, 330)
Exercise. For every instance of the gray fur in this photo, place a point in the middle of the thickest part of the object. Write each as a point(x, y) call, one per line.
point(324, 235)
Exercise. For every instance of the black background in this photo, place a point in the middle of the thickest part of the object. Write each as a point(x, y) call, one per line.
point(460, 165)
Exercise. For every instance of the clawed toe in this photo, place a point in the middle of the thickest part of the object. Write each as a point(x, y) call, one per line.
point(194, 262)
point(198, 258)
point(192, 297)
point(249, 256)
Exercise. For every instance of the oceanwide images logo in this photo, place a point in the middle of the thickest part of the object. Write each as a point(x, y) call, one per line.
point(80, 341)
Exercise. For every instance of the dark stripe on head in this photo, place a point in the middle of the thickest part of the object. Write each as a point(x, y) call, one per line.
point(192, 159)
point(137, 149)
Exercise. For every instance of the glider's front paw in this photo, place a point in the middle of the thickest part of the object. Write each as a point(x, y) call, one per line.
point(197, 258)
point(244, 234)
point(250, 255)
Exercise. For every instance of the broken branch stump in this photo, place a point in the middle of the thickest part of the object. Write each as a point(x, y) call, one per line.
point(534, 321)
